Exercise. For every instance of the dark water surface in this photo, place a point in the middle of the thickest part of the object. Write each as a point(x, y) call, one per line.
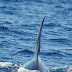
point(22, 19)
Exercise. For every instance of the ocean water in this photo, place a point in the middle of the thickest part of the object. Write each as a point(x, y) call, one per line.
point(19, 24)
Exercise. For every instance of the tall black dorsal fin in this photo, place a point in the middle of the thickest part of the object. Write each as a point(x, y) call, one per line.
point(37, 48)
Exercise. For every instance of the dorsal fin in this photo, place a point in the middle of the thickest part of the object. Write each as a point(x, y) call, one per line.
point(36, 63)
point(37, 48)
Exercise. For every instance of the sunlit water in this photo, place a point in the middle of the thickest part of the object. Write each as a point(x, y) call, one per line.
point(22, 19)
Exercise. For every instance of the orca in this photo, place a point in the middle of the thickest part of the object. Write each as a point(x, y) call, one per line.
point(36, 63)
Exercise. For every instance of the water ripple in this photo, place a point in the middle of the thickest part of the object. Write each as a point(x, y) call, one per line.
point(26, 51)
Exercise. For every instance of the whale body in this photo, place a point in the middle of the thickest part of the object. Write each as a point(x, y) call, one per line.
point(36, 63)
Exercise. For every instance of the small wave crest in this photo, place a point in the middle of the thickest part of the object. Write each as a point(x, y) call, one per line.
point(26, 51)
point(52, 25)
point(61, 41)
point(53, 53)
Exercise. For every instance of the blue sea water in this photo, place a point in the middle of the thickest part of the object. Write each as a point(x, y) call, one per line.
point(22, 19)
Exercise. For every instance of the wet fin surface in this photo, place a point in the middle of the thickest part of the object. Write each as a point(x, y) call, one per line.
point(37, 48)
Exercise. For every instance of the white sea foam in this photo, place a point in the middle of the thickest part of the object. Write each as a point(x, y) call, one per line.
point(26, 70)
point(5, 64)
point(10, 67)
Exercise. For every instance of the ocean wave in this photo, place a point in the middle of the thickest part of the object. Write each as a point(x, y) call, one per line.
point(26, 51)
point(3, 7)
point(54, 53)
point(52, 25)
point(9, 12)
point(61, 41)
point(29, 52)
point(67, 29)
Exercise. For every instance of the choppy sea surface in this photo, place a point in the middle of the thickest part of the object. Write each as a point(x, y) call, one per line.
point(19, 24)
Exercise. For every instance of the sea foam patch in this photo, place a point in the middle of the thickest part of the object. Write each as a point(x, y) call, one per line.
point(5, 64)
point(26, 70)
point(8, 67)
